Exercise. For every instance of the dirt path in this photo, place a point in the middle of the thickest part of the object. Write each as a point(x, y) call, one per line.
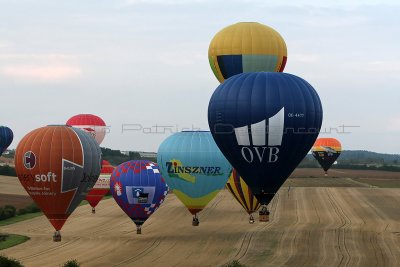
point(310, 227)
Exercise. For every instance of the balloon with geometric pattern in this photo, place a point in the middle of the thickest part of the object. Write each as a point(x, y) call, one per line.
point(139, 189)
point(246, 47)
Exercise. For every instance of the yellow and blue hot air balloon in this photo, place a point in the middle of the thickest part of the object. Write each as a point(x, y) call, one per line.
point(194, 168)
point(242, 193)
point(246, 47)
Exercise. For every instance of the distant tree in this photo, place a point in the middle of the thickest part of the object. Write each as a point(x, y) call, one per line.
point(6, 212)
point(7, 171)
point(9, 262)
point(234, 263)
point(71, 263)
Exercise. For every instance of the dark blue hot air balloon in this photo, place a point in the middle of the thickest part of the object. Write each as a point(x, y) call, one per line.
point(6, 137)
point(265, 123)
point(138, 188)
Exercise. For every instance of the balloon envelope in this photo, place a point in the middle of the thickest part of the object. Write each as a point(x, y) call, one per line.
point(193, 167)
point(265, 123)
point(138, 188)
point(102, 185)
point(242, 193)
point(90, 123)
point(57, 166)
point(246, 47)
point(326, 151)
point(6, 137)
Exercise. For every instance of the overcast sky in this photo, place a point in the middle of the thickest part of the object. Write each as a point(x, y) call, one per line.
point(138, 64)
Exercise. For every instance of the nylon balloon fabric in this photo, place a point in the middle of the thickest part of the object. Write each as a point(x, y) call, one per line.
point(138, 188)
point(246, 47)
point(265, 123)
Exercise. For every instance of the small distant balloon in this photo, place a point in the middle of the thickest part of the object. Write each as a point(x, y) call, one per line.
point(242, 193)
point(326, 151)
point(92, 124)
point(246, 47)
point(6, 137)
point(102, 186)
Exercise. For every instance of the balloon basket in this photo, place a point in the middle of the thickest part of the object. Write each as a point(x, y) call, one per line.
point(57, 236)
point(251, 219)
point(138, 230)
point(264, 214)
point(264, 218)
point(93, 211)
point(195, 221)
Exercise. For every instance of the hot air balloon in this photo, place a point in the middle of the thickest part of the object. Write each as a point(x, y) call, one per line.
point(139, 189)
point(6, 137)
point(265, 123)
point(246, 47)
point(242, 193)
point(194, 168)
point(102, 186)
point(326, 151)
point(57, 166)
point(90, 123)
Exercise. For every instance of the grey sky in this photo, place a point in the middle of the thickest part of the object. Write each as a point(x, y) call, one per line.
point(145, 62)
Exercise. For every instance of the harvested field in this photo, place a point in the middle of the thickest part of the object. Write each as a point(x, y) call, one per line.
point(308, 227)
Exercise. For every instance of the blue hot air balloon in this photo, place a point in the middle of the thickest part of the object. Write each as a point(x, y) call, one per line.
point(6, 137)
point(139, 189)
point(265, 123)
point(194, 168)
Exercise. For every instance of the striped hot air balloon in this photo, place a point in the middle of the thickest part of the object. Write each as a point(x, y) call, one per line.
point(246, 47)
point(326, 151)
point(102, 186)
point(194, 168)
point(242, 193)
point(57, 166)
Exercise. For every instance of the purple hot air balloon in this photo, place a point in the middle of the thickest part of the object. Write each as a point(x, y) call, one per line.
point(139, 189)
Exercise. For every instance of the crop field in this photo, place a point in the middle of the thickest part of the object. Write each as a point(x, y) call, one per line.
point(311, 225)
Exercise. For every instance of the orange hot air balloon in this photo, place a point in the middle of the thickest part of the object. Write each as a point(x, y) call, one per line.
point(102, 186)
point(57, 166)
point(326, 151)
